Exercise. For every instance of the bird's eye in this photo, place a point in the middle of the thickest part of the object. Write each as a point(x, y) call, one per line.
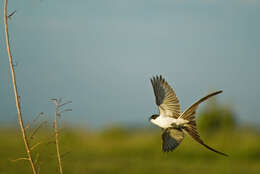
point(153, 117)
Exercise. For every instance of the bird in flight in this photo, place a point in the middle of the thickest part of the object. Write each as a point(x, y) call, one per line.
point(174, 123)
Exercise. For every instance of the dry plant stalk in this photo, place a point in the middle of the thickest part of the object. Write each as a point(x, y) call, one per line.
point(57, 138)
point(17, 101)
point(57, 114)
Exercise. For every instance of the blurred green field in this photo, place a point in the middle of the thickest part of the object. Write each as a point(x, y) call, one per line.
point(117, 150)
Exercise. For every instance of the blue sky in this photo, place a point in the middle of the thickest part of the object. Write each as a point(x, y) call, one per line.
point(101, 53)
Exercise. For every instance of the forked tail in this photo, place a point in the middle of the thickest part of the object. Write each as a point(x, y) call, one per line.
point(190, 127)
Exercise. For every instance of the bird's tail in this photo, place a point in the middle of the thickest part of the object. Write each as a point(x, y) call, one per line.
point(191, 127)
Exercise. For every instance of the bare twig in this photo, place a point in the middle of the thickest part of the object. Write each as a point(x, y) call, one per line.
point(40, 143)
point(36, 129)
point(65, 110)
point(10, 15)
point(68, 102)
point(38, 168)
point(36, 145)
point(57, 137)
point(17, 101)
point(19, 159)
point(36, 158)
point(56, 129)
point(34, 120)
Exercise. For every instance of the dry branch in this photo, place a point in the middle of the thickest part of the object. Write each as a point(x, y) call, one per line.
point(17, 100)
point(58, 113)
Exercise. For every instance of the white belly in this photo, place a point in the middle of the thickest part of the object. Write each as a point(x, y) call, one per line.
point(166, 122)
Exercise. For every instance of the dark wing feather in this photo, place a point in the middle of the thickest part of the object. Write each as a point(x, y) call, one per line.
point(171, 138)
point(165, 98)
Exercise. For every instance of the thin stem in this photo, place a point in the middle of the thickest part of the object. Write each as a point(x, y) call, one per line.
point(57, 138)
point(17, 101)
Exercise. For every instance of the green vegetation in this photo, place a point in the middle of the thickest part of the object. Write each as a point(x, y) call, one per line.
point(138, 151)
point(116, 150)
point(216, 117)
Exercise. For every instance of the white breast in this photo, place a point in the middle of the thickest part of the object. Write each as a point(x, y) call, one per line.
point(164, 122)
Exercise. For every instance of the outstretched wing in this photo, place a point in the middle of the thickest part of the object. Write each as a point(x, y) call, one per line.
point(171, 138)
point(165, 98)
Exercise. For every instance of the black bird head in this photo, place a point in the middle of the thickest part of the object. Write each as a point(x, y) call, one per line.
point(153, 117)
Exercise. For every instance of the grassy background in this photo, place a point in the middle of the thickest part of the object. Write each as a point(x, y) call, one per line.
point(118, 150)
